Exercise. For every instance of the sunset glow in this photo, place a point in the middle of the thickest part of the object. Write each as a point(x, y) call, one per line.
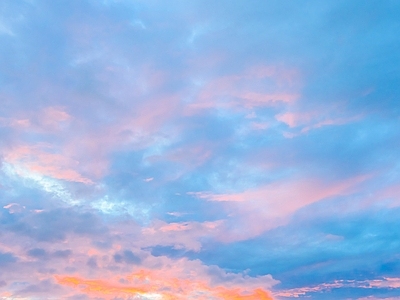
point(199, 149)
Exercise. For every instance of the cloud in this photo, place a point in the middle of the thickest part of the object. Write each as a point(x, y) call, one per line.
point(184, 235)
point(7, 258)
point(381, 283)
point(274, 203)
point(41, 160)
point(206, 144)
point(257, 87)
point(128, 257)
point(303, 122)
point(37, 253)
point(14, 208)
point(162, 284)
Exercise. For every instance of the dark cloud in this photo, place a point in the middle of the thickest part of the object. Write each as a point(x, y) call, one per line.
point(43, 288)
point(62, 253)
point(127, 257)
point(37, 253)
point(92, 262)
point(55, 225)
point(7, 258)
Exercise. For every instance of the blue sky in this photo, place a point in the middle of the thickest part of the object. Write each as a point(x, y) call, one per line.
point(199, 149)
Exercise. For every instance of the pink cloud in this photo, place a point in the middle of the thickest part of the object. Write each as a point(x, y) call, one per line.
point(186, 158)
point(291, 119)
point(135, 120)
point(39, 159)
point(185, 235)
point(338, 121)
point(84, 155)
point(391, 193)
point(15, 123)
point(175, 227)
point(218, 197)
point(308, 120)
point(264, 99)
point(384, 195)
point(14, 208)
point(284, 77)
point(273, 203)
point(256, 87)
point(53, 115)
point(49, 119)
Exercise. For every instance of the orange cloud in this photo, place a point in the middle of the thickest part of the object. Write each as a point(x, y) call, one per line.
point(160, 285)
point(101, 287)
point(257, 294)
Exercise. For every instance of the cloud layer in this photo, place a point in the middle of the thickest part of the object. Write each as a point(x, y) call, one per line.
point(199, 149)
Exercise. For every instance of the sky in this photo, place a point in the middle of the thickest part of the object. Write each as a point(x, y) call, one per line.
point(200, 149)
